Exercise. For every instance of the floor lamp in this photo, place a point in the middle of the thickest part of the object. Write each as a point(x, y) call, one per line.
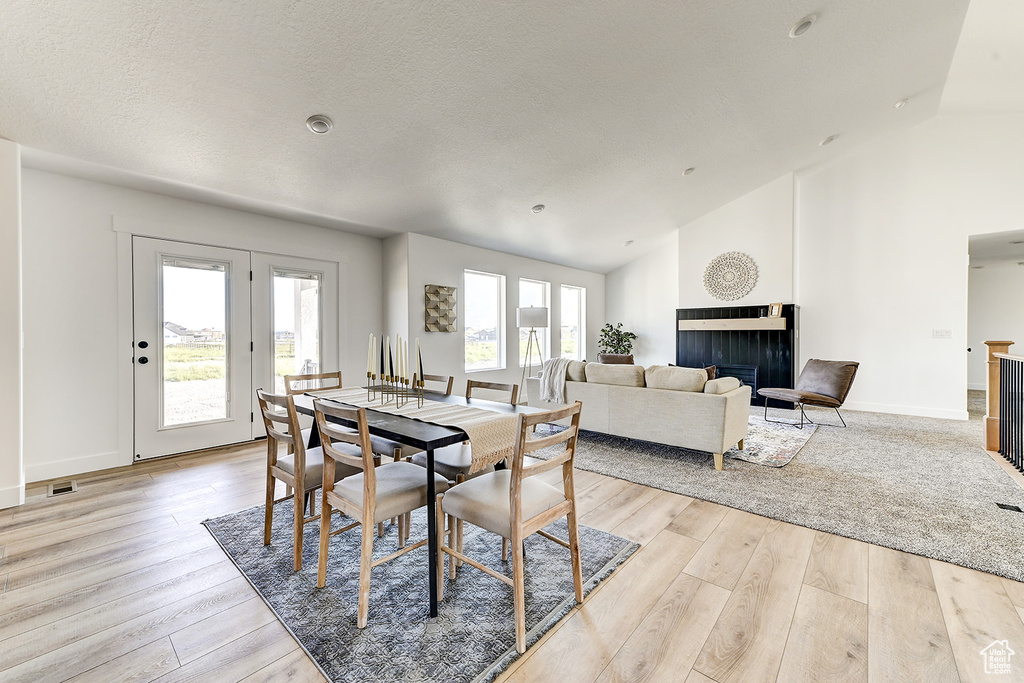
point(532, 317)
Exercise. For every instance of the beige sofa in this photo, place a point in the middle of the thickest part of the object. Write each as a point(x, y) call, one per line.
point(664, 404)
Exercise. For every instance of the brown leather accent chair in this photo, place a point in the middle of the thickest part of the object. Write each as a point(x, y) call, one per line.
point(823, 383)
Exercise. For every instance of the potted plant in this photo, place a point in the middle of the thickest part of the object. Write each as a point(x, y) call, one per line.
point(616, 345)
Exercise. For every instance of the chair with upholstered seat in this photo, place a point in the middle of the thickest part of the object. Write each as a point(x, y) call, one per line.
point(513, 505)
point(371, 496)
point(301, 470)
point(823, 383)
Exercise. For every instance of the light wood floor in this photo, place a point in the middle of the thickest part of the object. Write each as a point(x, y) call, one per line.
point(119, 582)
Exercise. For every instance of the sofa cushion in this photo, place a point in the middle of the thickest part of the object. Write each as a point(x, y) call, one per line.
point(722, 385)
point(576, 371)
point(676, 379)
point(622, 375)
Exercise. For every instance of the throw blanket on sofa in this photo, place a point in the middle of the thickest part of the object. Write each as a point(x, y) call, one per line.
point(552, 380)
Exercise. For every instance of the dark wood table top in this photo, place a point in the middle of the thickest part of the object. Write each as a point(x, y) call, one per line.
point(413, 432)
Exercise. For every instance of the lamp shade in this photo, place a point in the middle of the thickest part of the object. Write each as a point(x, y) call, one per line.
point(534, 316)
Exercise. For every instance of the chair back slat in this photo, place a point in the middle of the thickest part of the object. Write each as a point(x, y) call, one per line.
point(297, 384)
point(447, 380)
point(329, 434)
point(493, 386)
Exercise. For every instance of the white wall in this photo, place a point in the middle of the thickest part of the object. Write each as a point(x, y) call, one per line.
point(643, 295)
point(12, 474)
point(883, 239)
point(995, 312)
point(759, 224)
point(439, 262)
point(76, 353)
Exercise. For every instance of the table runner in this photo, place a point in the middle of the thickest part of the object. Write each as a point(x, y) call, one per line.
point(492, 435)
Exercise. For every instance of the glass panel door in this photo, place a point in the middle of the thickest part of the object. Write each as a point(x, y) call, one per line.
point(195, 326)
point(296, 325)
point(192, 335)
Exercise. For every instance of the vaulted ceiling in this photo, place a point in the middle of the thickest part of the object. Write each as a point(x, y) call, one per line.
point(454, 119)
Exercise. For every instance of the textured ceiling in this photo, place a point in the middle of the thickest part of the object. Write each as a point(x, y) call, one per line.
point(452, 120)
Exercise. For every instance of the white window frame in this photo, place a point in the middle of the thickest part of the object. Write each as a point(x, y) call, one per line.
point(544, 333)
point(581, 323)
point(499, 323)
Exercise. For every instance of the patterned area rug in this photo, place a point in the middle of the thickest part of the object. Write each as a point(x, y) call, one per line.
point(473, 638)
point(771, 444)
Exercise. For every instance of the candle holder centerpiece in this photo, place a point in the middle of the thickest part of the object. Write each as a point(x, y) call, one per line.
point(388, 377)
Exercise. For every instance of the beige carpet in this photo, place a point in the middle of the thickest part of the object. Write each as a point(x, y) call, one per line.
point(921, 485)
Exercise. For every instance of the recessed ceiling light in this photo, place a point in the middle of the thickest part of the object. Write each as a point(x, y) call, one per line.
point(689, 170)
point(829, 140)
point(538, 208)
point(319, 124)
point(902, 103)
point(1017, 242)
point(803, 26)
point(627, 243)
point(977, 267)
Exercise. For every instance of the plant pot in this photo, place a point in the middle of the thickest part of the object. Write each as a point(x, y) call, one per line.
point(615, 358)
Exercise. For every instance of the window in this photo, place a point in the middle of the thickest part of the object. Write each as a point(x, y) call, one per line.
point(574, 322)
point(534, 293)
point(484, 294)
point(296, 324)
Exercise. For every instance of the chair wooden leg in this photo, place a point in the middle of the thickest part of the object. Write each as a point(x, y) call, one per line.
point(268, 517)
point(718, 461)
point(365, 556)
point(380, 529)
point(574, 551)
point(518, 591)
point(740, 444)
point(504, 550)
point(452, 543)
point(458, 539)
point(401, 531)
point(325, 538)
point(408, 523)
point(440, 553)
point(300, 516)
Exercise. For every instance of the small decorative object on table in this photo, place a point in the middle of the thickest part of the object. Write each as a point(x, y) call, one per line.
point(396, 382)
point(616, 345)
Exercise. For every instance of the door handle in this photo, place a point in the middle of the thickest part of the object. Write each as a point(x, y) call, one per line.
point(143, 360)
point(143, 344)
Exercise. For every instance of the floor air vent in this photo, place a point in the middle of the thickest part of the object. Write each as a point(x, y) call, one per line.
point(1012, 508)
point(61, 488)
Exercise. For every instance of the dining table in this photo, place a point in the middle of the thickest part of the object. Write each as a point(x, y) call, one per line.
point(426, 436)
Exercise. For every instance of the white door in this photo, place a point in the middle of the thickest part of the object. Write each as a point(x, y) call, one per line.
point(193, 346)
point(294, 321)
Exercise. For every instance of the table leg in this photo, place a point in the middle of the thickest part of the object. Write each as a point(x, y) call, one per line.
point(432, 533)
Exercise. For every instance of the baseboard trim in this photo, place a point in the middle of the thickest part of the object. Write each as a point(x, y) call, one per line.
point(65, 468)
point(915, 411)
point(977, 387)
point(12, 497)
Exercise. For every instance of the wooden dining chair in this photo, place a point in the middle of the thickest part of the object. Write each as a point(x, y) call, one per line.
point(301, 470)
point(299, 384)
point(513, 505)
point(493, 386)
point(371, 496)
point(447, 380)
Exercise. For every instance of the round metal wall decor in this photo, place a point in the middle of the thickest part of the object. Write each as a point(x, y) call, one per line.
point(730, 276)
